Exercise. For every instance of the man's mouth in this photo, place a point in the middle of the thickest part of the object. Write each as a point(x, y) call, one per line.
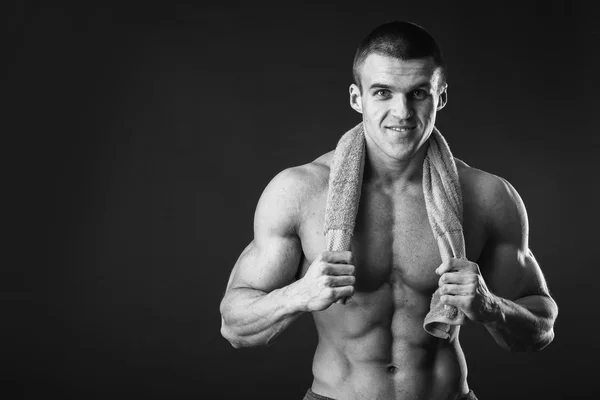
point(401, 129)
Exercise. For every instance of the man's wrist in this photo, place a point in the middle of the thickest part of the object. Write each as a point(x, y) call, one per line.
point(495, 314)
point(293, 300)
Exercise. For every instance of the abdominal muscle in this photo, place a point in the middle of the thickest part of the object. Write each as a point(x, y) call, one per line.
point(375, 348)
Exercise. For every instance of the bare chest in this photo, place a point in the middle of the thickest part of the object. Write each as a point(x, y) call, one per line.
point(392, 243)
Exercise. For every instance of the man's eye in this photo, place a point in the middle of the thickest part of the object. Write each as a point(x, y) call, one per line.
point(382, 93)
point(419, 94)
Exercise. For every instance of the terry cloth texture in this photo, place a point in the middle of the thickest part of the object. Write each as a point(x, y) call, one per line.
point(310, 395)
point(443, 201)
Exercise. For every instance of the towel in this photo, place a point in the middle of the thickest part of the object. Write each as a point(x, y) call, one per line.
point(443, 201)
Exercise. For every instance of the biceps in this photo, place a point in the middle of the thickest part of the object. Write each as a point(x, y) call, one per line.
point(267, 265)
point(513, 273)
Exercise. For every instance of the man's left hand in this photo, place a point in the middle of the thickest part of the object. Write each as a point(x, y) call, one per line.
point(461, 285)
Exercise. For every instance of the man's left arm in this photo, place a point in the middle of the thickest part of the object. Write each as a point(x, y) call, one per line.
point(513, 302)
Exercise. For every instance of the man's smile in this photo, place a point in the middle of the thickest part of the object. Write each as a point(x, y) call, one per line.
point(401, 128)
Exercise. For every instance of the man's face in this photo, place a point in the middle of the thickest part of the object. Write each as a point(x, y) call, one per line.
point(399, 101)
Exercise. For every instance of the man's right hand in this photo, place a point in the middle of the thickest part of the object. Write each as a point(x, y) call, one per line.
point(328, 279)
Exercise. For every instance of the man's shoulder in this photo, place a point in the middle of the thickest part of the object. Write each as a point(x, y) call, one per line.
point(307, 178)
point(295, 185)
point(285, 199)
point(491, 196)
point(475, 179)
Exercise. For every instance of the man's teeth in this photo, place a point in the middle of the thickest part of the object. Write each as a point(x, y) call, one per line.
point(400, 129)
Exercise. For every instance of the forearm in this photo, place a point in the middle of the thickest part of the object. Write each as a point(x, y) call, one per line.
point(523, 325)
point(252, 317)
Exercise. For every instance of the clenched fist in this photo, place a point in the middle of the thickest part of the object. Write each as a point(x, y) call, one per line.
point(462, 286)
point(328, 279)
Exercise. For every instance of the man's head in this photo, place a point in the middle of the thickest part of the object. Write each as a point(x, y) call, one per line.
point(399, 86)
point(402, 40)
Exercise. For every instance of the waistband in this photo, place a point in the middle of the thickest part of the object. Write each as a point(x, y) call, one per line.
point(310, 395)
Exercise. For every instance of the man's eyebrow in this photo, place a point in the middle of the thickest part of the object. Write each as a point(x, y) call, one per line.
point(426, 84)
point(377, 85)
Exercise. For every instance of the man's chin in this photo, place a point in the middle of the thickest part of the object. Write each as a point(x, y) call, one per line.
point(404, 151)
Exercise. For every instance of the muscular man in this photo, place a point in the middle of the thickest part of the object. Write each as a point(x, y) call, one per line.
point(374, 346)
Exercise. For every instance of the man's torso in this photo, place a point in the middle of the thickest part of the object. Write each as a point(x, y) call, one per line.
point(375, 347)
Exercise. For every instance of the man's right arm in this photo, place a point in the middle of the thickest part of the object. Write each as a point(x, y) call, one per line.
point(262, 297)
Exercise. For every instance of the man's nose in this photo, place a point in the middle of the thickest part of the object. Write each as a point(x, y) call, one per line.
point(401, 107)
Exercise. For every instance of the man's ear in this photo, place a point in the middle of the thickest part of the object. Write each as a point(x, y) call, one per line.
point(443, 97)
point(355, 98)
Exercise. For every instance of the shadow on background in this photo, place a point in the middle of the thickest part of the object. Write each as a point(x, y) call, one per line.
point(142, 137)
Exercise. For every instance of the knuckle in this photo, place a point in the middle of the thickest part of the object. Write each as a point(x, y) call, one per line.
point(332, 269)
point(316, 263)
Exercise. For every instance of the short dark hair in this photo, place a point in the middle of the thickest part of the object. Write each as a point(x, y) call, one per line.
point(402, 40)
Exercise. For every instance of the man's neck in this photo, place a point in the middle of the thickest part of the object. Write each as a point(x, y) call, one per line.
point(384, 171)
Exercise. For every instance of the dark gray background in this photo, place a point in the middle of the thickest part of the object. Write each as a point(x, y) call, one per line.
point(140, 136)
